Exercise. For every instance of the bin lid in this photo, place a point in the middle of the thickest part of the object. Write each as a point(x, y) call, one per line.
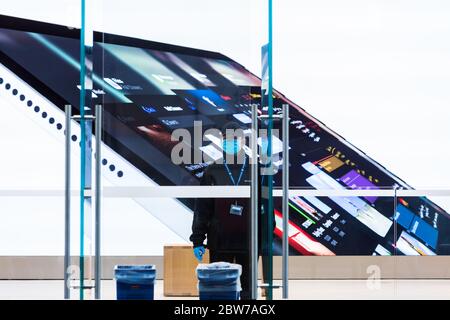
point(142, 267)
point(218, 272)
point(220, 266)
point(135, 272)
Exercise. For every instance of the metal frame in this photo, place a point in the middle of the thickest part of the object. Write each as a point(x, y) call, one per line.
point(254, 204)
point(86, 84)
point(68, 194)
point(68, 110)
point(285, 249)
point(98, 185)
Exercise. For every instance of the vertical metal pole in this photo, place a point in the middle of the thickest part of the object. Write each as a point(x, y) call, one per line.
point(285, 274)
point(395, 237)
point(68, 110)
point(83, 142)
point(98, 178)
point(86, 68)
point(254, 204)
point(269, 207)
point(395, 188)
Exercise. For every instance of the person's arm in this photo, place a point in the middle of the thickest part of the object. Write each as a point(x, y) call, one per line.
point(202, 214)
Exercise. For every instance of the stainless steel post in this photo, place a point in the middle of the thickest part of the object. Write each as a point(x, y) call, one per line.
point(98, 180)
point(68, 110)
point(254, 203)
point(86, 111)
point(285, 273)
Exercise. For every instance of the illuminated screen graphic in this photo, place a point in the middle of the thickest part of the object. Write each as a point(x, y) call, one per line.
point(149, 89)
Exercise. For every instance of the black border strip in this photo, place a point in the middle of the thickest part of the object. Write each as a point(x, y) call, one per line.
point(9, 22)
point(21, 24)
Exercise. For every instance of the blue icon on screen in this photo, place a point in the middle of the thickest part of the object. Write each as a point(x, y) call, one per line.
point(148, 109)
point(190, 104)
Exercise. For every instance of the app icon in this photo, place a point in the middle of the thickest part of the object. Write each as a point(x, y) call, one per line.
point(148, 109)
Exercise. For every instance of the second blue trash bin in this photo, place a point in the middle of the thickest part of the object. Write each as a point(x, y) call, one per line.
point(219, 281)
point(135, 282)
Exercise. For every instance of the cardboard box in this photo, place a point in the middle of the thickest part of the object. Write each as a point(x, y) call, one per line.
point(179, 270)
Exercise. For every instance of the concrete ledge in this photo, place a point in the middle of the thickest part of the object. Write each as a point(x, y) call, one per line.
point(346, 267)
point(52, 267)
point(361, 267)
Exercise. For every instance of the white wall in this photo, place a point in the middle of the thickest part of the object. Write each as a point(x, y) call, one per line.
point(377, 72)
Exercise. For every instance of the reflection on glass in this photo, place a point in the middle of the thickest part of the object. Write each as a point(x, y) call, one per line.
point(335, 225)
point(422, 227)
point(150, 90)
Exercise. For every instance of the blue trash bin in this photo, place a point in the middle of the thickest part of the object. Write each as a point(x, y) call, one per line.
point(135, 282)
point(219, 281)
point(219, 292)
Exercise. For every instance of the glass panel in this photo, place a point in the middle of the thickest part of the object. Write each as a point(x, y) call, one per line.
point(86, 124)
point(364, 95)
point(367, 111)
point(422, 230)
point(177, 108)
point(345, 225)
point(228, 100)
point(372, 108)
point(269, 165)
point(421, 227)
point(36, 163)
point(340, 230)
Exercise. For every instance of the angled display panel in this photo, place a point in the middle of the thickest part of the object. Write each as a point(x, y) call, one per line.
point(151, 89)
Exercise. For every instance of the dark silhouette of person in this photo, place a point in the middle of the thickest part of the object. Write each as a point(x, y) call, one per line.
point(225, 222)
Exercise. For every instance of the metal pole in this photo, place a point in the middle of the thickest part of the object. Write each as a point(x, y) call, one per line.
point(285, 274)
point(98, 180)
point(254, 203)
point(68, 110)
point(269, 206)
point(86, 72)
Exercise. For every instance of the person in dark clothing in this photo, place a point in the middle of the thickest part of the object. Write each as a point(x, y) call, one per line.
point(225, 222)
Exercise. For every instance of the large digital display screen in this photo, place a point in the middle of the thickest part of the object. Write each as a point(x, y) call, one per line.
point(150, 89)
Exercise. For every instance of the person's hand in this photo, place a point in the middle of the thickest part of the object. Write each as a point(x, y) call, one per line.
point(199, 252)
